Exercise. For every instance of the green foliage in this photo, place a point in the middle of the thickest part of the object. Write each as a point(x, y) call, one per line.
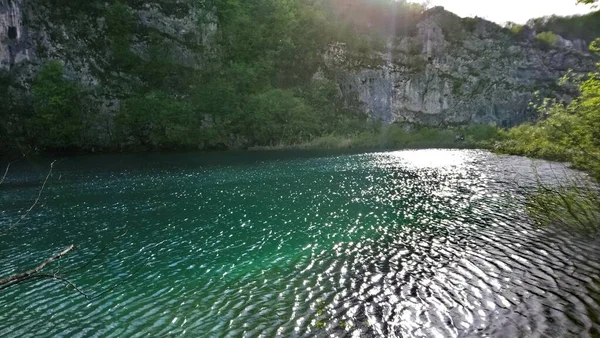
point(515, 28)
point(333, 115)
point(120, 21)
point(276, 115)
point(259, 93)
point(470, 24)
point(568, 133)
point(58, 106)
point(548, 38)
point(482, 135)
point(254, 88)
point(586, 27)
point(565, 132)
point(595, 46)
point(5, 111)
point(158, 120)
point(575, 208)
point(158, 70)
point(377, 136)
point(120, 25)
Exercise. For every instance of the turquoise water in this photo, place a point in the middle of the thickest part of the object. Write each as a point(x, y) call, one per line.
point(429, 243)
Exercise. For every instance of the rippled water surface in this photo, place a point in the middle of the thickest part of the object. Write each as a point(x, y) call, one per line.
point(432, 243)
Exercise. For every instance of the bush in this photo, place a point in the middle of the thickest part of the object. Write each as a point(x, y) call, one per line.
point(278, 115)
point(575, 208)
point(157, 120)
point(120, 25)
point(515, 28)
point(548, 38)
point(565, 132)
point(58, 106)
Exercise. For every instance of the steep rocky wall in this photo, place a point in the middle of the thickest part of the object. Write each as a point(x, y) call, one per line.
point(34, 31)
point(455, 71)
point(78, 35)
point(448, 71)
point(14, 39)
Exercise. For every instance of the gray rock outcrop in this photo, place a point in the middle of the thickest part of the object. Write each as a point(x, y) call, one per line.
point(448, 71)
point(457, 71)
point(14, 38)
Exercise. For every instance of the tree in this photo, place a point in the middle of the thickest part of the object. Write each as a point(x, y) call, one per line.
point(157, 119)
point(570, 132)
point(58, 105)
point(277, 115)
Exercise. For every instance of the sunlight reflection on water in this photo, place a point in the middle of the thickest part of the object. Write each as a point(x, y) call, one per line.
point(420, 243)
point(434, 158)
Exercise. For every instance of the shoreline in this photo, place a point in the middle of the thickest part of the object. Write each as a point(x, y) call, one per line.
point(393, 137)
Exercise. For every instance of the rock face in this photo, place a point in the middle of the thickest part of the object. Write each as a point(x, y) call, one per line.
point(448, 71)
point(79, 36)
point(14, 39)
point(34, 31)
point(456, 71)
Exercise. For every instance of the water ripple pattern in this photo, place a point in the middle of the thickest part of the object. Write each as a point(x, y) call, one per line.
point(428, 243)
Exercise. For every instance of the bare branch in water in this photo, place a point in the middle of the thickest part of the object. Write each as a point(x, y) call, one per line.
point(8, 168)
point(27, 274)
point(36, 200)
point(64, 281)
point(36, 273)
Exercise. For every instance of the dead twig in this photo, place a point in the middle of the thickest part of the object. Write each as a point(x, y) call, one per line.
point(36, 273)
point(28, 274)
point(64, 281)
point(36, 200)
point(8, 168)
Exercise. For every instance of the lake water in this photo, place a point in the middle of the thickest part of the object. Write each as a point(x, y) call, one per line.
point(428, 243)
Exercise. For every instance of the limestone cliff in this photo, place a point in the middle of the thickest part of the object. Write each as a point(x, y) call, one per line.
point(13, 34)
point(448, 71)
point(101, 45)
point(81, 35)
point(454, 71)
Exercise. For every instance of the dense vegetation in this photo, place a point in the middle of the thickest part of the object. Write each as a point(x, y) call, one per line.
point(396, 136)
point(565, 131)
point(574, 27)
point(569, 132)
point(255, 88)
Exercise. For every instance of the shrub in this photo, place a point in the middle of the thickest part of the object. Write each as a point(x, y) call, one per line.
point(57, 122)
point(515, 28)
point(548, 38)
point(157, 119)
